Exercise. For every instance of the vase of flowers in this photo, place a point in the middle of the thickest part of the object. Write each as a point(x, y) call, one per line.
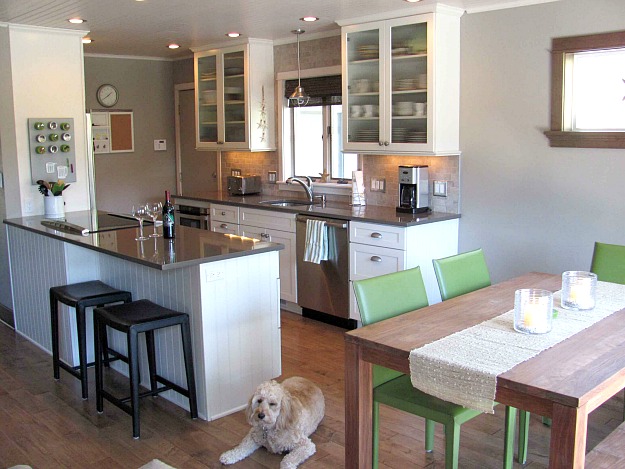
point(53, 203)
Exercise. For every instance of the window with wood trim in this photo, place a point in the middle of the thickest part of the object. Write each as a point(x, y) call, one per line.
point(588, 91)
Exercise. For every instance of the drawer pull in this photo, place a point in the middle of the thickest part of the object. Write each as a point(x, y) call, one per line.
point(376, 235)
point(376, 259)
point(224, 226)
point(223, 213)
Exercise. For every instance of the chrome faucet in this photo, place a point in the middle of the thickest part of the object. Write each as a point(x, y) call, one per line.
point(306, 185)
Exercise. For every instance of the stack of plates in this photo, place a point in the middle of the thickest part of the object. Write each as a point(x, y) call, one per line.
point(417, 137)
point(405, 84)
point(208, 75)
point(365, 135)
point(399, 134)
point(369, 51)
point(209, 96)
point(229, 71)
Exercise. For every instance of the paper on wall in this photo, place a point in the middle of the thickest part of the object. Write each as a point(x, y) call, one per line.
point(358, 188)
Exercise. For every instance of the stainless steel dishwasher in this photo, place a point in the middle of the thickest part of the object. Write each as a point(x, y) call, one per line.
point(323, 289)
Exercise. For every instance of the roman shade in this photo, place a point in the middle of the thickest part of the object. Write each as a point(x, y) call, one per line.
point(322, 90)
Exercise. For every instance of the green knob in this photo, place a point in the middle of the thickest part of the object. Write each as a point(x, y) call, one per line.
point(53, 137)
point(39, 125)
point(41, 150)
point(65, 126)
point(64, 148)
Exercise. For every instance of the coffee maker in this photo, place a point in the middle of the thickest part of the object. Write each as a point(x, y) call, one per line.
point(413, 189)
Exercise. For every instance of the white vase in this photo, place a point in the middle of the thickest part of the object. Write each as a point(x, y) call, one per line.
point(54, 206)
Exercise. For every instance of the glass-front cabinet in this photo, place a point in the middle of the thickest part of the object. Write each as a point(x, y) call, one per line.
point(234, 97)
point(401, 86)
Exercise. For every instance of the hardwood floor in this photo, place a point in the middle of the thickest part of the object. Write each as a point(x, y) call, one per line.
point(44, 423)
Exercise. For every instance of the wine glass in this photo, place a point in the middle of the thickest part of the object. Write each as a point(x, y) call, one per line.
point(140, 213)
point(154, 209)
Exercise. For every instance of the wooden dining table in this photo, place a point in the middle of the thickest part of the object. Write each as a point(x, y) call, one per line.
point(565, 382)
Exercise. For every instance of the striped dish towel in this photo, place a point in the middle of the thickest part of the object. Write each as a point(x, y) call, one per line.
point(316, 249)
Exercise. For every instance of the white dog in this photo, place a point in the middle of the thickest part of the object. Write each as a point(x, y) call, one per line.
point(282, 416)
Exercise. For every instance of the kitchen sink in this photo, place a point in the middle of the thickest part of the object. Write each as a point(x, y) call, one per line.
point(285, 202)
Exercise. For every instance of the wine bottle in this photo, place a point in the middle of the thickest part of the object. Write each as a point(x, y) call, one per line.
point(169, 231)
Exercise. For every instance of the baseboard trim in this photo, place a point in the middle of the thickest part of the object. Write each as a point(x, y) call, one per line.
point(6, 316)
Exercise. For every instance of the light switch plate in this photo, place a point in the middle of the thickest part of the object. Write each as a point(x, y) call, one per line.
point(160, 145)
point(439, 188)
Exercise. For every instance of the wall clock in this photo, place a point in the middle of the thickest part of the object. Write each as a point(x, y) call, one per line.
point(107, 95)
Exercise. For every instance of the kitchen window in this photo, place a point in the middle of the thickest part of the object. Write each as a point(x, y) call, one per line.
point(317, 141)
point(315, 138)
point(588, 91)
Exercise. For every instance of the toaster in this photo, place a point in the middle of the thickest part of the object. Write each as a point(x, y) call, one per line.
point(244, 185)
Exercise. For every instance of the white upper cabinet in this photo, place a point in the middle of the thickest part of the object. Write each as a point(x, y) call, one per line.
point(401, 85)
point(234, 97)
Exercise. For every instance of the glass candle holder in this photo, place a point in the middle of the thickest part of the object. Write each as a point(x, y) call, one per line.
point(533, 311)
point(578, 290)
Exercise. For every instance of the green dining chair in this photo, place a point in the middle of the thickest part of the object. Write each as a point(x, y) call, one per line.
point(385, 297)
point(464, 273)
point(608, 262)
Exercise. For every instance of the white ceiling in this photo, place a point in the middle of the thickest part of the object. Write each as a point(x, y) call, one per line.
point(144, 28)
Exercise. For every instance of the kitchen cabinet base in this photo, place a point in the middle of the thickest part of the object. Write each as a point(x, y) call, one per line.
point(345, 323)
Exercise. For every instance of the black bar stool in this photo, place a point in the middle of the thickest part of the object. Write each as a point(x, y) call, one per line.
point(79, 296)
point(131, 319)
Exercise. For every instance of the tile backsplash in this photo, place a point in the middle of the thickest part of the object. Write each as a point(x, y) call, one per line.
point(440, 168)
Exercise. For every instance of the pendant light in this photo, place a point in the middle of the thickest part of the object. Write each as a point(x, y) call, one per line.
point(299, 96)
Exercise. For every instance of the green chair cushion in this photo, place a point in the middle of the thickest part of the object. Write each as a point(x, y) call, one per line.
point(401, 394)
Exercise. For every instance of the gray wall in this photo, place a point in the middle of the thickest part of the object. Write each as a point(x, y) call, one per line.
point(183, 71)
point(145, 87)
point(531, 207)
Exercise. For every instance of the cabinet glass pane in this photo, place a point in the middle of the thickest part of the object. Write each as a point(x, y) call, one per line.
point(234, 96)
point(363, 72)
point(207, 97)
point(409, 83)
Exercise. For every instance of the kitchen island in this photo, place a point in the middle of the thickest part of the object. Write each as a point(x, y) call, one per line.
point(227, 284)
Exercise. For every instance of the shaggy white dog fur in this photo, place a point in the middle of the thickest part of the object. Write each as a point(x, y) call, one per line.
point(282, 416)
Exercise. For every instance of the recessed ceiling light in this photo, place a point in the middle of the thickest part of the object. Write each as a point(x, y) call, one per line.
point(233, 34)
point(76, 20)
point(412, 1)
point(171, 46)
point(309, 19)
point(87, 40)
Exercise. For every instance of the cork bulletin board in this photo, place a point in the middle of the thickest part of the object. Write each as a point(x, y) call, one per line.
point(122, 134)
point(112, 131)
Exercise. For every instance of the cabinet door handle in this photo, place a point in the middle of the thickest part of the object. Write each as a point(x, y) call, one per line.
point(376, 235)
point(386, 144)
point(224, 226)
point(376, 259)
point(380, 143)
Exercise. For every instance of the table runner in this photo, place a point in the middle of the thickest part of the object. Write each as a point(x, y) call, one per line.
point(463, 367)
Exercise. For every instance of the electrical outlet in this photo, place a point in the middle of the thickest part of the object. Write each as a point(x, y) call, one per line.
point(28, 206)
point(439, 188)
point(378, 185)
point(215, 275)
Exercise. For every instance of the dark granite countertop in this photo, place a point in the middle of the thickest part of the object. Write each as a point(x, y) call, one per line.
point(190, 247)
point(366, 213)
